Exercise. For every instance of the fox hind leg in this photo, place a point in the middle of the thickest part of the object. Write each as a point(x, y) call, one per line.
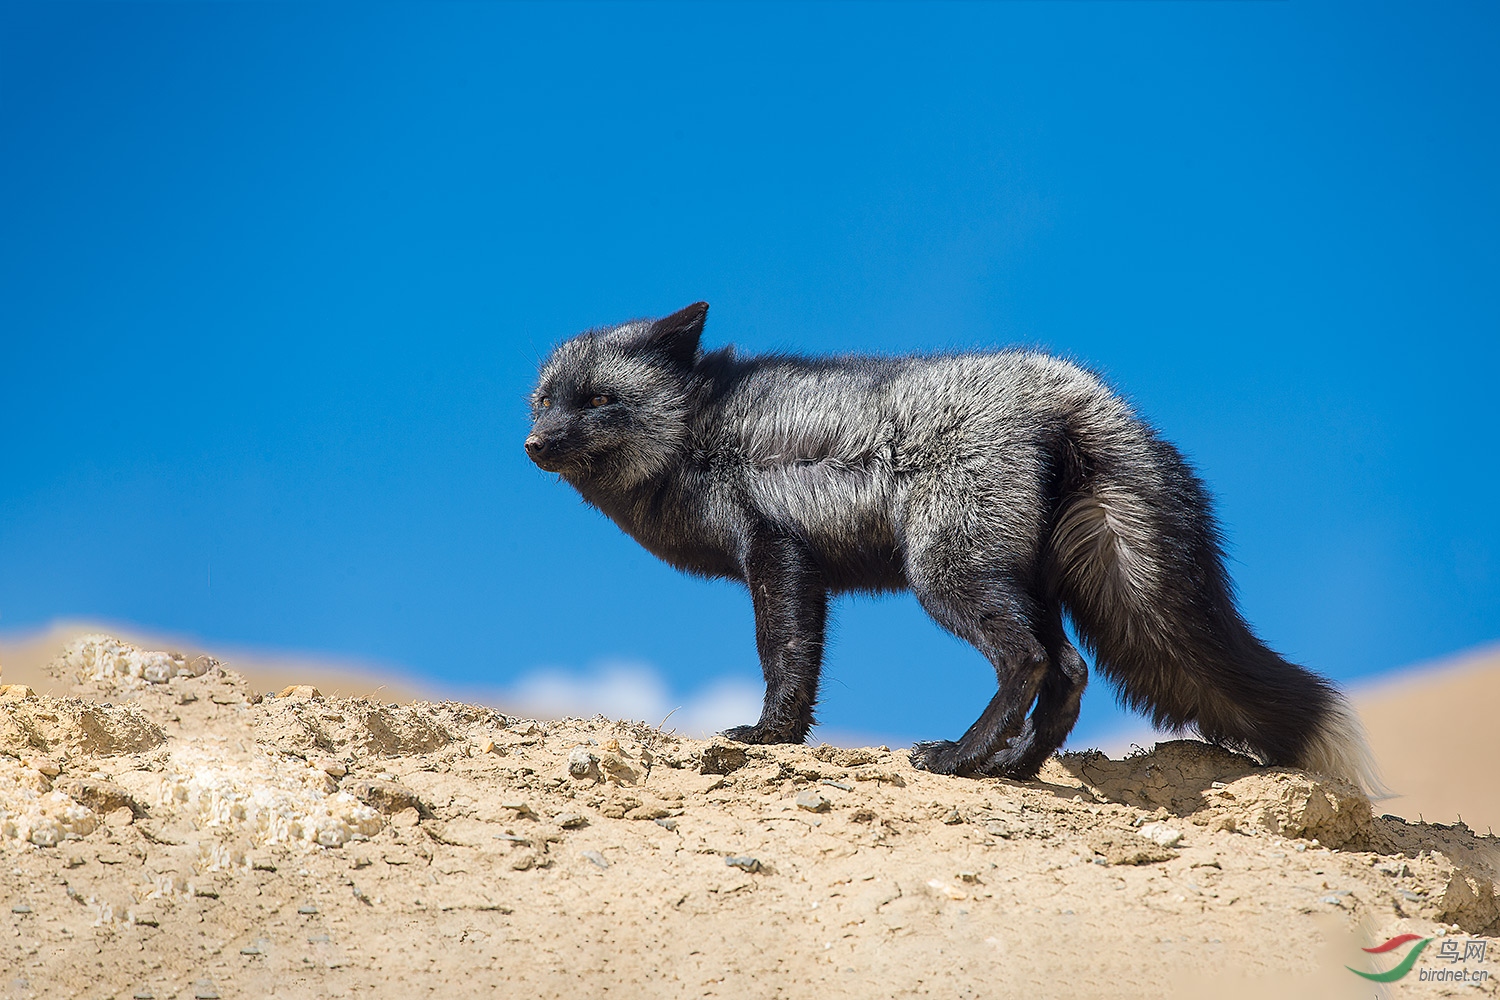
point(1058, 700)
point(993, 614)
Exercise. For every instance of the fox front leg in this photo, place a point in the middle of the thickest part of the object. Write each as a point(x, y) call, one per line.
point(791, 612)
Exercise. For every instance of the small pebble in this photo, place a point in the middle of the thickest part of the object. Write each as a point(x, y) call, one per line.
point(1162, 834)
point(571, 821)
point(249, 949)
point(582, 763)
point(596, 858)
point(301, 692)
point(943, 888)
point(953, 817)
point(813, 800)
point(667, 823)
point(307, 910)
point(42, 764)
point(748, 864)
point(20, 908)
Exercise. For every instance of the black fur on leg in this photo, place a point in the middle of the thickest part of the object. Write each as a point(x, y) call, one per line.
point(791, 613)
point(1055, 713)
point(992, 613)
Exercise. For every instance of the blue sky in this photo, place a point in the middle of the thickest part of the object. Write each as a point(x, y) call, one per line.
point(274, 281)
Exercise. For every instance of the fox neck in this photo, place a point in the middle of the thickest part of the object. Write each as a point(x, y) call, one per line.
point(624, 501)
point(657, 513)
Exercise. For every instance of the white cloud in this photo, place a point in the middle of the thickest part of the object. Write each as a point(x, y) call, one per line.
point(626, 690)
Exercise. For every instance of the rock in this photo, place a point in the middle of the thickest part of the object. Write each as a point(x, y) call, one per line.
point(407, 818)
point(946, 890)
point(596, 858)
point(330, 767)
point(1121, 848)
point(813, 801)
point(44, 765)
point(300, 692)
point(744, 863)
point(647, 812)
point(617, 807)
point(570, 820)
point(522, 810)
point(583, 764)
point(386, 797)
point(722, 757)
point(846, 756)
point(668, 823)
point(100, 796)
point(15, 692)
point(1464, 895)
point(1161, 834)
point(615, 768)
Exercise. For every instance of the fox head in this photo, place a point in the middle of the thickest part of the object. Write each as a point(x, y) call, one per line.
point(611, 405)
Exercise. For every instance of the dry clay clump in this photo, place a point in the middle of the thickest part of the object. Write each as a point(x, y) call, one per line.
point(272, 799)
point(30, 810)
point(303, 721)
point(103, 658)
point(74, 726)
point(1216, 788)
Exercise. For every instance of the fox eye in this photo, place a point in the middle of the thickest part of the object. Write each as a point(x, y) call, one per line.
point(601, 400)
point(545, 402)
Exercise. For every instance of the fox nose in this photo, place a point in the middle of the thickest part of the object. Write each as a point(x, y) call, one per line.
point(536, 446)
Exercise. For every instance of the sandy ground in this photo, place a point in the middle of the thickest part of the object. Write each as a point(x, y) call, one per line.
point(168, 829)
point(1436, 732)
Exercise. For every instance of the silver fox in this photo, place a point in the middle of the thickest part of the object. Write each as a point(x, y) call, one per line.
point(1004, 490)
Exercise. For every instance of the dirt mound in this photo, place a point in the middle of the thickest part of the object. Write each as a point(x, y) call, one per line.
point(1212, 787)
point(74, 727)
point(321, 846)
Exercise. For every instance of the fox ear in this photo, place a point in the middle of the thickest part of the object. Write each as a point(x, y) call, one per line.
point(677, 335)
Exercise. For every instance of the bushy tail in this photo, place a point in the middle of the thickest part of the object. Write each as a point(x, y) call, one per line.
point(1136, 560)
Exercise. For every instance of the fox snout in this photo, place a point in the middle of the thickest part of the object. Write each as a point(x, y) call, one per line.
point(543, 449)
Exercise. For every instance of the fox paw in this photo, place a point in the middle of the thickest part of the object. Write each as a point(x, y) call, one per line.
point(759, 735)
point(937, 756)
point(1019, 762)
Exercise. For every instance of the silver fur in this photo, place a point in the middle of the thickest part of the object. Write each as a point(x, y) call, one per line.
point(1005, 489)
